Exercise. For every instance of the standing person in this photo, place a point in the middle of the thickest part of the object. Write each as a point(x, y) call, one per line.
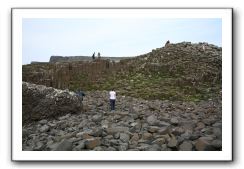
point(203, 47)
point(112, 98)
point(93, 56)
point(167, 43)
point(80, 94)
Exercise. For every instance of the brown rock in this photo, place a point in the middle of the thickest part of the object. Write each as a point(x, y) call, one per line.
point(135, 138)
point(92, 143)
point(159, 141)
point(153, 129)
point(163, 130)
point(203, 144)
point(200, 125)
point(147, 136)
point(172, 143)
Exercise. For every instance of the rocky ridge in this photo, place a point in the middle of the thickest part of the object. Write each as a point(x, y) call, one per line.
point(183, 71)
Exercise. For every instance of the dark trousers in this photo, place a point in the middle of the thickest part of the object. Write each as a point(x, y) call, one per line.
point(112, 104)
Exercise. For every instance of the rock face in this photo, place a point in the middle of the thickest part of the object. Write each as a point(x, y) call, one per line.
point(41, 102)
point(66, 75)
point(135, 125)
point(182, 71)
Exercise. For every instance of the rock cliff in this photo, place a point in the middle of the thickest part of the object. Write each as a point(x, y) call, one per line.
point(182, 71)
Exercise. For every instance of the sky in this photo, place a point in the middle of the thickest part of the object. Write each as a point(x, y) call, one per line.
point(42, 38)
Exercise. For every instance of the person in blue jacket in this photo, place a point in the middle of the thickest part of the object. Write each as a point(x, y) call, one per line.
point(81, 94)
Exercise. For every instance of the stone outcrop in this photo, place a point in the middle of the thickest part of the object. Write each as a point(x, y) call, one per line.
point(68, 75)
point(41, 102)
point(182, 71)
point(135, 125)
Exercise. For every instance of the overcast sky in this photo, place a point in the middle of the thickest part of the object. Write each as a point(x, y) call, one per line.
point(42, 38)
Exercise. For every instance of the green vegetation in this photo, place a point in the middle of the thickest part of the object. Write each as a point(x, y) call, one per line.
point(155, 87)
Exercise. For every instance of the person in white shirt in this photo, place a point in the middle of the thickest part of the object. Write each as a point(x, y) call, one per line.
point(112, 98)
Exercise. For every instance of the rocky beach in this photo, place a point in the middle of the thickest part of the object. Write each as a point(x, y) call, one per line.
point(135, 125)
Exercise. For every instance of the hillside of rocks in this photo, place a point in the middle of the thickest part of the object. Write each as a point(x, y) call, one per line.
point(183, 71)
point(135, 125)
point(169, 99)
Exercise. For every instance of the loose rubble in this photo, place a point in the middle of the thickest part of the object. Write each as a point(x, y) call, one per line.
point(135, 125)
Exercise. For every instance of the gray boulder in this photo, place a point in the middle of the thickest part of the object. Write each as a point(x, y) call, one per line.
point(41, 102)
point(186, 146)
point(44, 128)
point(152, 120)
point(64, 145)
point(124, 137)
